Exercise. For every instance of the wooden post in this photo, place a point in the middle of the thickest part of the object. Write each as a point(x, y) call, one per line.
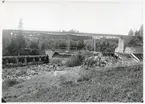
point(6, 60)
point(25, 60)
point(40, 59)
point(94, 44)
point(17, 60)
point(33, 59)
point(68, 47)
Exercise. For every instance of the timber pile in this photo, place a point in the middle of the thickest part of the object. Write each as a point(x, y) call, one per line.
point(12, 61)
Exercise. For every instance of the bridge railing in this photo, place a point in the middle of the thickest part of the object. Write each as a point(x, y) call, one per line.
point(24, 60)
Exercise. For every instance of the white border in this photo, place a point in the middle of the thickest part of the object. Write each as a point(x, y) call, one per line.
point(135, 1)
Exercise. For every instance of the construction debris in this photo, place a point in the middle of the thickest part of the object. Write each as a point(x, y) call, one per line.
point(99, 61)
point(95, 60)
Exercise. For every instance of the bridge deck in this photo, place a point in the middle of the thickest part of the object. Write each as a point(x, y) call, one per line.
point(66, 33)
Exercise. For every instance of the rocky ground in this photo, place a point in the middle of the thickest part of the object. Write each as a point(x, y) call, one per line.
point(120, 84)
point(38, 83)
point(27, 72)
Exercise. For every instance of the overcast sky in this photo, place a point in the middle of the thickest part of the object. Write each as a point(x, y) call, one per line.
point(92, 17)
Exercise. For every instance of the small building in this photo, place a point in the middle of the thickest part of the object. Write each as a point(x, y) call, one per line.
point(50, 53)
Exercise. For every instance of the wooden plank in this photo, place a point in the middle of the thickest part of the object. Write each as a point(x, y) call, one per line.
point(29, 56)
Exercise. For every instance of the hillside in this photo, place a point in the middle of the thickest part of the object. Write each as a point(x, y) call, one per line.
point(119, 84)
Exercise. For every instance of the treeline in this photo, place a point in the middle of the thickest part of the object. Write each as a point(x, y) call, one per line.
point(138, 39)
point(136, 32)
point(102, 45)
point(21, 46)
point(62, 44)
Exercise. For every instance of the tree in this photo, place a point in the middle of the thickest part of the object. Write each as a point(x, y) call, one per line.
point(20, 39)
point(73, 45)
point(137, 33)
point(12, 48)
point(88, 47)
point(52, 44)
point(16, 46)
point(141, 30)
point(43, 46)
point(138, 39)
point(73, 31)
point(18, 42)
point(131, 32)
point(34, 45)
point(20, 25)
point(106, 45)
point(61, 44)
point(80, 45)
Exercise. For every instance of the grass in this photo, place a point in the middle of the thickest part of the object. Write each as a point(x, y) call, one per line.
point(9, 83)
point(59, 61)
point(119, 84)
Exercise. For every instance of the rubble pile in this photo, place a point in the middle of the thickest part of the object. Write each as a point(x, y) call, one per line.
point(27, 72)
point(99, 61)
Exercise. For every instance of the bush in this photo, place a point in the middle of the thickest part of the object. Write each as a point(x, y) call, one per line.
point(56, 61)
point(75, 60)
point(9, 83)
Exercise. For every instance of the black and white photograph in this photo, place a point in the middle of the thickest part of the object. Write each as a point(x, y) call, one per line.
point(72, 51)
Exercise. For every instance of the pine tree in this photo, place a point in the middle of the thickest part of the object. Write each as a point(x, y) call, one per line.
point(131, 32)
point(20, 25)
point(141, 30)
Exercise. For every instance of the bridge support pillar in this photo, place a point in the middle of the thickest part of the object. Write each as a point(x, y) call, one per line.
point(94, 41)
point(68, 44)
point(120, 47)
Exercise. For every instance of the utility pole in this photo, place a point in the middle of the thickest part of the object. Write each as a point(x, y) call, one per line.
point(20, 28)
point(94, 43)
point(68, 46)
point(20, 25)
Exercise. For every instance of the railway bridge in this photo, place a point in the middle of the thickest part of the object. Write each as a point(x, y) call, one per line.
point(122, 39)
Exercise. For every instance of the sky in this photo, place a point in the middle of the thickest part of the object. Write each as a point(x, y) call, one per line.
point(85, 16)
